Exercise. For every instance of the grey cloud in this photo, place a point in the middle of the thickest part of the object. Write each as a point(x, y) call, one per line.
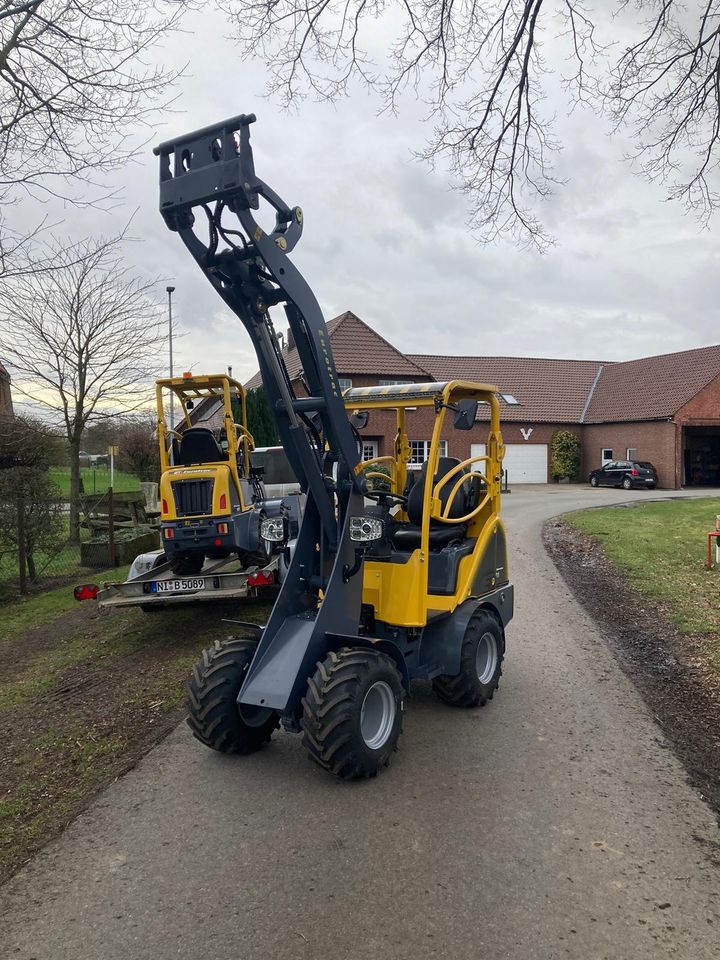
point(630, 274)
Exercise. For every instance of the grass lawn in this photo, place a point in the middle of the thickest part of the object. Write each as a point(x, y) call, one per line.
point(28, 612)
point(84, 694)
point(662, 548)
point(95, 480)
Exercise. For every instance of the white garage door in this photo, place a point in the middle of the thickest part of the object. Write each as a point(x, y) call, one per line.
point(524, 462)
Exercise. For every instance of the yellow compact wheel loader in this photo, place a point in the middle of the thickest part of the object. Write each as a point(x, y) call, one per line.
point(399, 571)
point(212, 499)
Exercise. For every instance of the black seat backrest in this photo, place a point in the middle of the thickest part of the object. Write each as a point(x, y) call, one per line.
point(198, 445)
point(417, 492)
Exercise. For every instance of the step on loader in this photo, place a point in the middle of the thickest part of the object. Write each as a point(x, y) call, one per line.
point(397, 573)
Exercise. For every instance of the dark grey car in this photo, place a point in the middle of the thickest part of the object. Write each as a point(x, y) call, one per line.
point(626, 474)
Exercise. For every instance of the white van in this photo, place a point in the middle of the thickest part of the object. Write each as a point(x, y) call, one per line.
point(278, 477)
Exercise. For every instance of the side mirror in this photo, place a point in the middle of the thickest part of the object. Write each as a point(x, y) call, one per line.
point(359, 419)
point(189, 404)
point(465, 414)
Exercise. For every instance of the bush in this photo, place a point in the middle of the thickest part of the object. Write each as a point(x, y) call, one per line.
point(139, 453)
point(565, 455)
point(25, 442)
point(44, 529)
point(377, 484)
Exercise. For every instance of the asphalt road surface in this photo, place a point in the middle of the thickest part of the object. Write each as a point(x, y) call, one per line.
point(553, 823)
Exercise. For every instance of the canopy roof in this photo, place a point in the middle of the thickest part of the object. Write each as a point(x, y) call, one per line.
point(419, 393)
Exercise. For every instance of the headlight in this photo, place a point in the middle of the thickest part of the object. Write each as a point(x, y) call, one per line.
point(273, 529)
point(365, 529)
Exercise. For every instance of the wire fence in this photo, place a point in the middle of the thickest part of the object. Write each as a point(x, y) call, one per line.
point(42, 546)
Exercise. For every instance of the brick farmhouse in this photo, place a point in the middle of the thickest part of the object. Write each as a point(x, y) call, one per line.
point(665, 409)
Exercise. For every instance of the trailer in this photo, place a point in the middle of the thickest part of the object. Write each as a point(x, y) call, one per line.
point(152, 584)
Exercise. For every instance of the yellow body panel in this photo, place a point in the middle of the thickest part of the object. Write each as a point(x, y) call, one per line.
point(219, 473)
point(190, 390)
point(397, 591)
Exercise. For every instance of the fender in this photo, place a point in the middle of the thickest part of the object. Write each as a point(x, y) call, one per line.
point(441, 640)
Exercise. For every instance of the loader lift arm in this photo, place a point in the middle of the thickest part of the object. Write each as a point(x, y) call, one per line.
point(209, 175)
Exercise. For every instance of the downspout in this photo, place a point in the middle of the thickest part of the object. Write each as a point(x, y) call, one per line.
point(586, 408)
point(590, 395)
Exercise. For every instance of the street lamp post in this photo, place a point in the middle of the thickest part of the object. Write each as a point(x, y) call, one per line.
point(170, 291)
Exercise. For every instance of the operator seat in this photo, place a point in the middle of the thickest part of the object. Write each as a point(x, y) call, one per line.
point(198, 445)
point(407, 537)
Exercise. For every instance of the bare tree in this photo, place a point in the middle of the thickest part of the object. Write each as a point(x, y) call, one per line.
point(482, 67)
point(73, 81)
point(82, 341)
point(75, 90)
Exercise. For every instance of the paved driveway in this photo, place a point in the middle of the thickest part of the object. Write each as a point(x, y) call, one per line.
point(554, 823)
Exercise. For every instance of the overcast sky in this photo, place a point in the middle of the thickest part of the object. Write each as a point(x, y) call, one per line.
point(631, 275)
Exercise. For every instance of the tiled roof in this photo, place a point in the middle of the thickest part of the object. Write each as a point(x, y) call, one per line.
point(209, 412)
point(357, 349)
point(548, 391)
point(652, 387)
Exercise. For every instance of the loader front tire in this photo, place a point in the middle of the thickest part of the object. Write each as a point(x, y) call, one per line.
point(352, 712)
point(213, 712)
point(481, 656)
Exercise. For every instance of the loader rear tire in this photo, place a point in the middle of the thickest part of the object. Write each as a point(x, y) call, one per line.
point(213, 712)
point(481, 657)
point(352, 712)
point(186, 564)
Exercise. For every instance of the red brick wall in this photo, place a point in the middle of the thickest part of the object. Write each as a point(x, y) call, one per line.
point(381, 426)
point(654, 441)
point(703, 409)
point(6, 406)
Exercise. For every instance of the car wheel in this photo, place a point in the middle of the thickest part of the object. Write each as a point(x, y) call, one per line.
point(594, 482)
point(627, 483)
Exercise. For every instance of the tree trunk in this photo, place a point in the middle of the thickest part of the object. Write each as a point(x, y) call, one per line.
point(74, 447)
point(32, 572)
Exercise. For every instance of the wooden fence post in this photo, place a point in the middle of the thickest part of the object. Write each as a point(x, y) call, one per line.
point(111, 528)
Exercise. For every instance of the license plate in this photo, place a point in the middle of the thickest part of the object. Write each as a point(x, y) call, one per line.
point(177, 586)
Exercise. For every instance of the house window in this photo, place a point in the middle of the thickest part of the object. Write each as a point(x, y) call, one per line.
point(369, 449)
point(390, 383)
point(345, 383)
point(632, 453)
point(419, 450)
point(606, 456)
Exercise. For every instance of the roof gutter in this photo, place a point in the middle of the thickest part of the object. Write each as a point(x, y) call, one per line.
point(590, 395)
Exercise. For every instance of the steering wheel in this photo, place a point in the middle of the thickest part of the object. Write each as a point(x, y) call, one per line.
point(444, 515)
point(244, 432)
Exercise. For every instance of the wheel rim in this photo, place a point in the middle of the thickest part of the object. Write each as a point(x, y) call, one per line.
point(253, 716)
point(486, 657)
point(377, 715)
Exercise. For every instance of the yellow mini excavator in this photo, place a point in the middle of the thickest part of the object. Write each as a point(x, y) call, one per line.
point(212, 498)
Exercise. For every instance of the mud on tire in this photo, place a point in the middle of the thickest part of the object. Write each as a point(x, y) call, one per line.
point(213, 713)
point(352, 712)
point(481, 657)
